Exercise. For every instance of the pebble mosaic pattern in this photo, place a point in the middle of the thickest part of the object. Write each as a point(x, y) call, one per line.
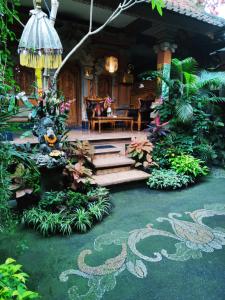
point(192, 238)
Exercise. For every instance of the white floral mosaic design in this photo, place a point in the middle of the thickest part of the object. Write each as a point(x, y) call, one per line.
point(192, 238)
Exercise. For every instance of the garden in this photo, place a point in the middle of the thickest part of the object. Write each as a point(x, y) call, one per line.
point(51, 209)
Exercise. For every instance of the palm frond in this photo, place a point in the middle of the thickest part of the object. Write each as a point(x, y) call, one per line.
point(214, 79)
point(216, 99)
point(188, 65)
point(184, 111)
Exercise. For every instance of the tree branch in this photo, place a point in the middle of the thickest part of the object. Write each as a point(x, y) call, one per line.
point(126, 4)
point(91, 15)
point(54, 10)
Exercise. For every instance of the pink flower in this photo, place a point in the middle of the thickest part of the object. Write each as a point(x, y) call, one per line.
point(65, 107)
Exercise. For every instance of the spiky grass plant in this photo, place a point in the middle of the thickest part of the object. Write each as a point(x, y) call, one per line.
point(67, 211)
point(83, 220)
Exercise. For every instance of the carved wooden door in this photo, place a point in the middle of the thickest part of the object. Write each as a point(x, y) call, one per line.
point(104, 86)
point(69, 82)
point(25, 78)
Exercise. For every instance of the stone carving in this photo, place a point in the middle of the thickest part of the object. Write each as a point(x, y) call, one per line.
point(51, 154)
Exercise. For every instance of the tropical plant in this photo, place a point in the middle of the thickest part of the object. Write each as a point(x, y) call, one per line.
point(52, 200)
point(98, 193)
point(188, 87)
point(189, 165)
point(55, 108)
point(76, 200)
point(99, 209)
point(164, 179)
point(9, 156)
point(82, 220)
point(157, 130)
point(9, 98)
point(78, 174)
point(66, 211)
point(9, 95)
point(13, 282)
point(80, 150)
point(205, 152)
point(46, 222)
point(25, 181)
point(140, 150)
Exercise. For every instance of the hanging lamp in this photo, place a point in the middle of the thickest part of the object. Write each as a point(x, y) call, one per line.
point(40, 46)
point(111, 64)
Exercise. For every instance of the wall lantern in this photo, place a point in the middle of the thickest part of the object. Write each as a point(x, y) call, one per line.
point(111, 64)
point(128, 77)
point(39, 45)
point(88, 72)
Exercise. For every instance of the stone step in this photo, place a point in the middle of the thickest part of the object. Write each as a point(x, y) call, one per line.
point(103, 151)
point(122, 177)
point(112, 162)
point(112, 170)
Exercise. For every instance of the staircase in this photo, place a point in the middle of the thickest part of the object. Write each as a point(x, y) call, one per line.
point(113, 167)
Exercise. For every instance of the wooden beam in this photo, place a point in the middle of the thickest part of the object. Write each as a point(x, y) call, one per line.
point(138, 26)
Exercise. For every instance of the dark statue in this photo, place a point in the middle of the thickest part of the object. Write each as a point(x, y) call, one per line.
point(50, 145)
point(47, 138)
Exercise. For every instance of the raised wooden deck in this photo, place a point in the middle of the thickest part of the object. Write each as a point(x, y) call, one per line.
point(92, 136)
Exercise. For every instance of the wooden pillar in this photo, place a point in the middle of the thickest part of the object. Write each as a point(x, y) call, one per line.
point(164, 57)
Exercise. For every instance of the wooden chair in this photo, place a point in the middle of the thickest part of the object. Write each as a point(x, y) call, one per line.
point(141, 113)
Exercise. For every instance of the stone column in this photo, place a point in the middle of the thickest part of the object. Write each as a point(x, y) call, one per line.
point(164, 56)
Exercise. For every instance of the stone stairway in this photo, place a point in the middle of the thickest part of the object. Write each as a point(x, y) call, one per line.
point(113, 167)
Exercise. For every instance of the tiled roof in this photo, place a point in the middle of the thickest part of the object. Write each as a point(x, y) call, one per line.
point(192, 9)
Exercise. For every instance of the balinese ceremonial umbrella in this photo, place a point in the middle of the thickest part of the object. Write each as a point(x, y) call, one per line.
point(40, 46)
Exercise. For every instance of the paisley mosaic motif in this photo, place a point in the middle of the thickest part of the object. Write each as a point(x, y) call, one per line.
point(218, 173)
point(191, 237)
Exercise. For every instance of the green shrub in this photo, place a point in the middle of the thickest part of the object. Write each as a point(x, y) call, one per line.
point(97, 210)
point(98, 193)
point(168, 180)
point(47, 222)
point(205, 152)
point(13, 282)
point(82, 220)
point(51, 200)
point(189, 165)
point(66, 211)
point(76, 200)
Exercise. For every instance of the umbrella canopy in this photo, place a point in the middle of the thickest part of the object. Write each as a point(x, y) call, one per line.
point(40, 46)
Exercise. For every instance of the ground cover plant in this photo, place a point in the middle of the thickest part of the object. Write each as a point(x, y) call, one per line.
point(67, 211)
point(167, 179)
point(189, 165)
point(13, 282)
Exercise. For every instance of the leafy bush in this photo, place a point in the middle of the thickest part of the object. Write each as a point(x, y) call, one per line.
point(76, 199)
point(51, 200)
point(205, 152)
point(25, 180)
point(48, 222)
point(80, 151)
point(140, 150)
point(189, 165)
point(168, 180)
point(9, 156)
point(66, 211)
point(98, 209)
point(78, 175)
point(13, 282)
point(98, 193)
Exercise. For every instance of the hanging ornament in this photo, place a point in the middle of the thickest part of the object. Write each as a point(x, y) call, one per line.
point(40, 46)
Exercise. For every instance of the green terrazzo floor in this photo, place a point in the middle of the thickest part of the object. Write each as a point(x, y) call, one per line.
point(155, 245)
